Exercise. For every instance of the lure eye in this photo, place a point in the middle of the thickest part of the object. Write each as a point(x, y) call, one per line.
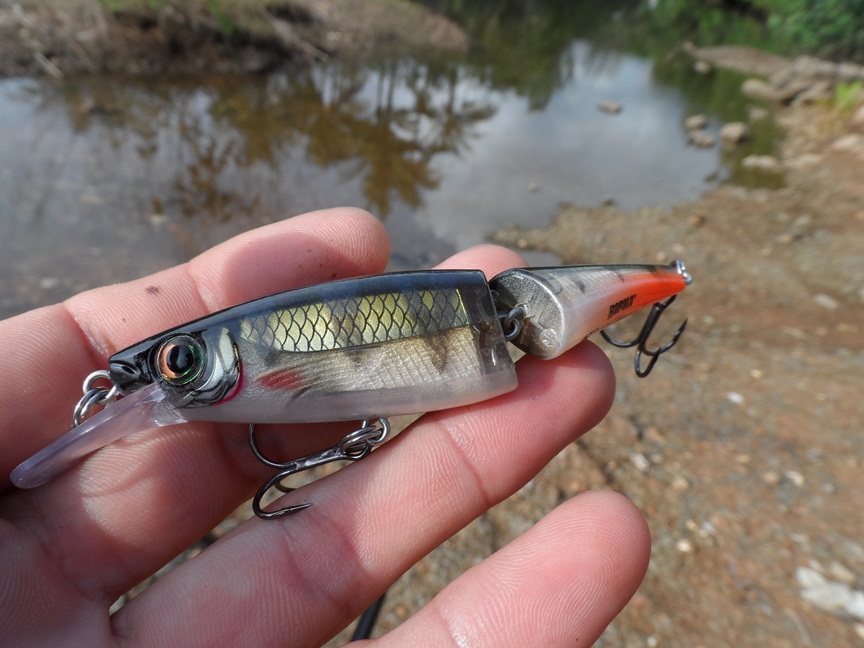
point(180, 359)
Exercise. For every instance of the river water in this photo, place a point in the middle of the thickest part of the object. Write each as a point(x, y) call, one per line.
point(107, 179)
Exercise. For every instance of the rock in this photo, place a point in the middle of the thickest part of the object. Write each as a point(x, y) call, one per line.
point(702, 67)
point(700, 138)
point(851, 550)
point(684, 546)
point(813, 68)
point(848, 71)
point(826, 301)
point(795, 477)
point(640, 461)
point(794, 88)
point(759, 89)
point(735, 397)
point(831, 596)
point(680, 483)
point(695, 122)
point(800, 226)
point(609, 107)
point(850, 142)
point(734, 132)
point(746, 60)
point(756, 113)
point(804, 160)
point(761, 163)
point(841, 573)
point(782, 76)
point(808, 78)
point(771, 478)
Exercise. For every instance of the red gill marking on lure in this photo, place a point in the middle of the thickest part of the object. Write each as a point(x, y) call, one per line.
point(282, 379)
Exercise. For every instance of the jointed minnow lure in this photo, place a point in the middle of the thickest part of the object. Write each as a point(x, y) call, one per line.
point(359, 349)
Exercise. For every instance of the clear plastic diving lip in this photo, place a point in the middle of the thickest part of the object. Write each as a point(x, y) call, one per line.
point(141, 410)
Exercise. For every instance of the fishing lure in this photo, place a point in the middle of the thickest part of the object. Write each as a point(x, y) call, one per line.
point(359, 349)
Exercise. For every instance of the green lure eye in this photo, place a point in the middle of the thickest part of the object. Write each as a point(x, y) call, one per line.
point(180, 359)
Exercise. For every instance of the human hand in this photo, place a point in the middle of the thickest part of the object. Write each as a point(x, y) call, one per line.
point(69, 548)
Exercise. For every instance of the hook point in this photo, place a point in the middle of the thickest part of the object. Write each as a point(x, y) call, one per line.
point(352, 447)
point(641, 340)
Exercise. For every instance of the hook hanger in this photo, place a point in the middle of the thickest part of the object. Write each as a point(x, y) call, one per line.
point(641, 340)
point(352, 447)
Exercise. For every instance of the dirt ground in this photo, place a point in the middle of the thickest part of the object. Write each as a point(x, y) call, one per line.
point(744, 448)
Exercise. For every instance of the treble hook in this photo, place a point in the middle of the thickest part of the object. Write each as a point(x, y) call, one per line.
point(352, 447)
point(641, 340)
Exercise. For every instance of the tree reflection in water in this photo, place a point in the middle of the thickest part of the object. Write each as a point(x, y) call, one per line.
point(380, 126)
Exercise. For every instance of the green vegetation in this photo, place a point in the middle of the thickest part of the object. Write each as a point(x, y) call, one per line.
point(527, 47)
point(231, 18)
point(848, 96)
point(669, 22)
point(831, 28)
point(120, 6)
point(828, 28)
point(225, 21)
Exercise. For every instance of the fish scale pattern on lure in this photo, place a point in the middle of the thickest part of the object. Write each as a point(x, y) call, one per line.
point(359, 349)
point(354, 322)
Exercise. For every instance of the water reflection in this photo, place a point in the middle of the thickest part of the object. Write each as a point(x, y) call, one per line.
point(114, 178)
point(380, 127)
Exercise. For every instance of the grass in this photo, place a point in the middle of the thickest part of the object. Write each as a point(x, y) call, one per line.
point(848, 96)
point(231, 16)
point(236, 18)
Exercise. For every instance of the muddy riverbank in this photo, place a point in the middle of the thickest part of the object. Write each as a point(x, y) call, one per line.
point(79, 37)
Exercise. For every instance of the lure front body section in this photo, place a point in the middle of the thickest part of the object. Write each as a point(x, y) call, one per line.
point(385, 345)
point(564, 305)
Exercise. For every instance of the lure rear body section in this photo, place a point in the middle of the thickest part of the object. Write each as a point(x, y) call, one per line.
point(390, 344)
point(564, 305)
